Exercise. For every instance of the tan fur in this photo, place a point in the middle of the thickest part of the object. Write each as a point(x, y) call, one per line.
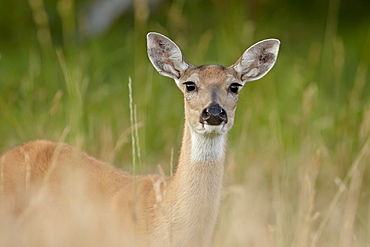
point(154, 210)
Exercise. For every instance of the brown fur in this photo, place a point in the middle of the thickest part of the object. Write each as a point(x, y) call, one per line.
point(54, 184)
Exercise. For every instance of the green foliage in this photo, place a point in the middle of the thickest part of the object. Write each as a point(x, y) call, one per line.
point(312, 111)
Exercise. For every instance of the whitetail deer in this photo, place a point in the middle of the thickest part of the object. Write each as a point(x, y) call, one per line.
point(162, 211)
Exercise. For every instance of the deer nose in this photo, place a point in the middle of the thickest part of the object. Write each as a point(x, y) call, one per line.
point(214, 114)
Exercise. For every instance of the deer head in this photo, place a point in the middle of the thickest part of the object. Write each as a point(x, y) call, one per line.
point(211, 91)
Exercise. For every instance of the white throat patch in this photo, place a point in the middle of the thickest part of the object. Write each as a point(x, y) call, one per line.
point(207, 147)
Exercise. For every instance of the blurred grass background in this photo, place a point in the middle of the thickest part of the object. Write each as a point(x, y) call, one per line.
point(298, 155)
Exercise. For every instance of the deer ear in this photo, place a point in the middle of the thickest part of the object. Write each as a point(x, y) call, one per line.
point(257, 60)
point(166, 56)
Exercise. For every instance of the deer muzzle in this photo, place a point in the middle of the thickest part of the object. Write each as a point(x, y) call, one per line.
point(213, 114)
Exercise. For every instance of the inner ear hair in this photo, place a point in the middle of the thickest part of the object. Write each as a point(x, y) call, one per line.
point(257, 60)
point(166, 56)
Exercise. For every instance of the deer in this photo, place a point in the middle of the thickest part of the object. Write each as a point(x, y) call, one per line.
point(178, 210)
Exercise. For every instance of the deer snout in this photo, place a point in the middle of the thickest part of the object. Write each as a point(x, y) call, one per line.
point(214, 114)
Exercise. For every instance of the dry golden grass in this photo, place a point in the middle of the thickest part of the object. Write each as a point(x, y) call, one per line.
point(297, 170)
point(269, 208)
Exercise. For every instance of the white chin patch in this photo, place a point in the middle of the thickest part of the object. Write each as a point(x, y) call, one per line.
point(210, 129)
point(216, 129)
point(213, 128)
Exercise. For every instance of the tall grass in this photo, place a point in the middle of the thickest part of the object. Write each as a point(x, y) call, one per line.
point(297, 170)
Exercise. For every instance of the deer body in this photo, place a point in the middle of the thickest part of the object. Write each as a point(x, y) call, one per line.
point(163, 211)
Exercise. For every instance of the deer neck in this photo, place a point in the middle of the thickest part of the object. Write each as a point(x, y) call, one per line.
point(201, 150)
point(197, 185)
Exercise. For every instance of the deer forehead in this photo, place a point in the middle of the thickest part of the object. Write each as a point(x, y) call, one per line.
point(210, 75)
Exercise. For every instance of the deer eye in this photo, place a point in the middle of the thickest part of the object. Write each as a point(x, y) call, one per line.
point(190, 86)
point(234, 87)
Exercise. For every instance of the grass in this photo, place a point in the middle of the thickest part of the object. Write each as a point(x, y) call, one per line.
point(298, 158)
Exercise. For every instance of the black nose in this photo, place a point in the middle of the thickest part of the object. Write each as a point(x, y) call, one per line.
point(214, 114)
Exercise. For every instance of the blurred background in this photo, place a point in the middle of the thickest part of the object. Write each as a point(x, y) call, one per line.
point(299, 149)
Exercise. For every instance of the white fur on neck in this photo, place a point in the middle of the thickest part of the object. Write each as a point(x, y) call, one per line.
point(207, 147)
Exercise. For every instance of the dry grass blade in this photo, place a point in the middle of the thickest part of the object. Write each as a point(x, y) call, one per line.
point(352, 171)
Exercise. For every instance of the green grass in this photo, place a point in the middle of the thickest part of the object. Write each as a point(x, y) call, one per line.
point(298, 155)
